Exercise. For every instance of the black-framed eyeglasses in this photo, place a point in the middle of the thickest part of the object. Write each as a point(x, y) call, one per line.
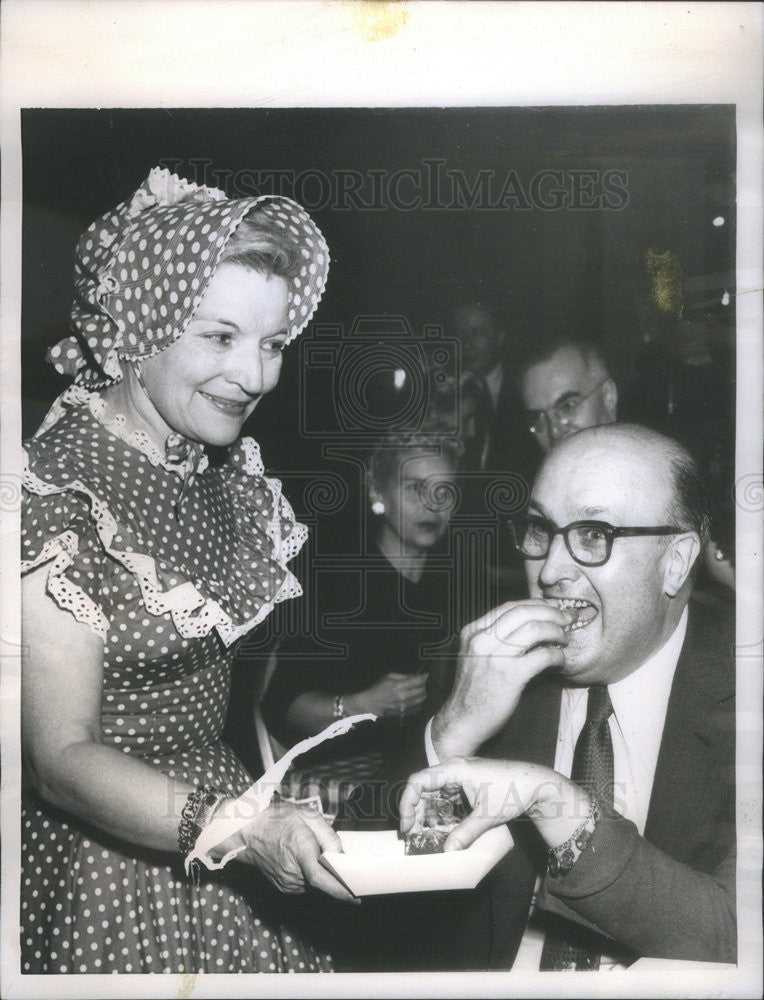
point(539, 421)
point(590, 543)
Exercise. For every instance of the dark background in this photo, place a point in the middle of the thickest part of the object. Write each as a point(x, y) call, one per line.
point(584, 267)
point(404, 269)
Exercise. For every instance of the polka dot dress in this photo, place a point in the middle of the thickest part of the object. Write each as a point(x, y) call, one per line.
point(168, 584)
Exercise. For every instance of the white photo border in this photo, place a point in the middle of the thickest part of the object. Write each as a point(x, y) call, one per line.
point(334, 53)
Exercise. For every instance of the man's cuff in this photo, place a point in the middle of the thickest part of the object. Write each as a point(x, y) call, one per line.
point(429, 749)
point(613, 843)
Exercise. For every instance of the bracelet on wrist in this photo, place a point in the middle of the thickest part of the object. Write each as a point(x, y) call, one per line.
point(562, 858)
point(338, 711)
point(199, 808)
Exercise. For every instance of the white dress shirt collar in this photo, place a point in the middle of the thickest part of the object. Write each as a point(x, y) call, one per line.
point(640, 701)
point(639, 704)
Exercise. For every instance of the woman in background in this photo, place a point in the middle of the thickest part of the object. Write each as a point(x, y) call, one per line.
point(152, 543)
point(376, 625)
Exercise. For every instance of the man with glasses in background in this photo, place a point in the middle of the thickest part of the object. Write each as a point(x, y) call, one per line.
point(566, 387)
point(616, 691)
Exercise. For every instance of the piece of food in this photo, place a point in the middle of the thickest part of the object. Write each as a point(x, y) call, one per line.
point(436, 819)
point(426, 841)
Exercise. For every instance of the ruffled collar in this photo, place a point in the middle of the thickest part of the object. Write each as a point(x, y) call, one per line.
point(199, 586)
point(181, 456)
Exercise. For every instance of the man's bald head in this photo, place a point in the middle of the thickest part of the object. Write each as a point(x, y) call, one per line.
point(666, 465)
point(633, 498)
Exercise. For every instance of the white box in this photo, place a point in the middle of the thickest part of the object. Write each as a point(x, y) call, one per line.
point(374, 862)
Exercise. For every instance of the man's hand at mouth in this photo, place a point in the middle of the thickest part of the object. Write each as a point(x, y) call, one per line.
point(499, 654)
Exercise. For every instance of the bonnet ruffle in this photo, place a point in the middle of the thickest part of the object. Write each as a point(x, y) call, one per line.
point(142, 269)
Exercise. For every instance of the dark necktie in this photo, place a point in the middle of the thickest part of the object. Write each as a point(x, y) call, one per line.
point(567, 945)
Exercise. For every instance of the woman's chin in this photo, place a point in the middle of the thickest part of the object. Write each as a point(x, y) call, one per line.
point(221, 440)
point(425, 539)
point(217, 433)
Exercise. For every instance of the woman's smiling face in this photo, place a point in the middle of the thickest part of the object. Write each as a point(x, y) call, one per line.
point(206, 384)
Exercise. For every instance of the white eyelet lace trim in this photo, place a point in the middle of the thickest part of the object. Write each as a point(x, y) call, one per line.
point(193, 615)
point(62, 550)
point(78, 395)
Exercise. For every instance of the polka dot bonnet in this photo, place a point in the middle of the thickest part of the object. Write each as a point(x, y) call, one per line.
point(142, 269)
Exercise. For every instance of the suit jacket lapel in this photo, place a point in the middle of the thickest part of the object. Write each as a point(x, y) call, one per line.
point(696, 758)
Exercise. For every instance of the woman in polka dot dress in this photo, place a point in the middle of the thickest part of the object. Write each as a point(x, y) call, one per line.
point(145, 559)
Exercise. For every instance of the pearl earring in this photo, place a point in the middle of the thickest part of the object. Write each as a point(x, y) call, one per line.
point(378, 507)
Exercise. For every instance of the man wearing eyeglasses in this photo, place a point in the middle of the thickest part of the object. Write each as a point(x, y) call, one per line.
point(566, 387)
point(616, 692)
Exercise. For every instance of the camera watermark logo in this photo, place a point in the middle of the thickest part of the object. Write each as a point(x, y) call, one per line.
point(378, 376)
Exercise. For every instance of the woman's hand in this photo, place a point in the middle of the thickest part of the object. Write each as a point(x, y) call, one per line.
point(395, 695)
point(499, 791)
point(285, 842)
point(62, 691)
